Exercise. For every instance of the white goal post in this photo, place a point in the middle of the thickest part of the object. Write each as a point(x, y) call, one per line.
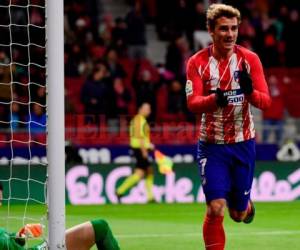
point(56, 128)
point(31, 71)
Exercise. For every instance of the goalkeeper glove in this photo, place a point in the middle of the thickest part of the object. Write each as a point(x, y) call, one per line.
point(221, 99)
point(31, 231)
point(245, 80)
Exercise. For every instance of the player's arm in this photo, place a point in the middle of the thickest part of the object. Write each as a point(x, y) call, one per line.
point(259, 96)
point(196, 101)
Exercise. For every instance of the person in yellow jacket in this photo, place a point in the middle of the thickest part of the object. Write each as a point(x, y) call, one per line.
point(140, 145)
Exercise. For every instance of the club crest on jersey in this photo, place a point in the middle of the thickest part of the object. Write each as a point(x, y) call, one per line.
point(189, 87)
point(236, 75)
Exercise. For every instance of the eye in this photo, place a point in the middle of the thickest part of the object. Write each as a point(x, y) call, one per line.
point(223, 28)
point(234, 28)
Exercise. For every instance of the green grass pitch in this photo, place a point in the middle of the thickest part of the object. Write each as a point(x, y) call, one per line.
point(178, 226)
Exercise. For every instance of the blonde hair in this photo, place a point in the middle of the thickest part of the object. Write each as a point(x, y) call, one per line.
point(218, 10)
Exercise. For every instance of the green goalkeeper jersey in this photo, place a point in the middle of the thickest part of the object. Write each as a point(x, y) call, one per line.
point(8, 242)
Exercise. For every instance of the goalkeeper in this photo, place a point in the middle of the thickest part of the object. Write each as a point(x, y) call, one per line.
point(80, 237)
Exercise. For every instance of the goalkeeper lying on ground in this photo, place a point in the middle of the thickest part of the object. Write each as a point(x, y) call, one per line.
point(79, 237)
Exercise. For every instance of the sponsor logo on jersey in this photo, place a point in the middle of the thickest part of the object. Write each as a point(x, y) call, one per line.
point(235, 97)
point(189, 87)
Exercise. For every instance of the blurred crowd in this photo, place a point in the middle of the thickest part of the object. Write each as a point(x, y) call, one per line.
point(22, 65)
point(110, 56)
point(107, 68)
point(267, 26)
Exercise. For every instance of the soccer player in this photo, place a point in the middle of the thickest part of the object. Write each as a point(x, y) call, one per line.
point(79, 237)
point(141, 146)
point(223, 81)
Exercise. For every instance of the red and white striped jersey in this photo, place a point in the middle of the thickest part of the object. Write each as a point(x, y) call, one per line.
point(205, 74)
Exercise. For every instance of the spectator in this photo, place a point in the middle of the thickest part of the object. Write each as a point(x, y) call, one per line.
point(107, 23)
point(5, 87)
point(105, 29)
point(145, 88)
point(291, 41)
point(162, 20)
point(246, 30)
point(41, 95)
point(171, 102)
point(271, 53)
point(183, 19)
point(136, 32)
point(71, 68)
point(96, 91)
point(121, 97)
point(37, 94)
point(82, 26)
point(119, 35)
point(177, 54)
point(73, 58)
point(200, 36)
point(176, 98)
point(115, 68)
point(199, 18)
point(36, 119)
point(15, 116)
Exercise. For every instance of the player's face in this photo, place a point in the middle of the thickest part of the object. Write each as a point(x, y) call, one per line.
point(146, 109)
point(225, 33)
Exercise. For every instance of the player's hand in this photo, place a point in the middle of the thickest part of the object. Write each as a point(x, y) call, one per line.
point(221, 99)
point(31, 231)
point(245, 80)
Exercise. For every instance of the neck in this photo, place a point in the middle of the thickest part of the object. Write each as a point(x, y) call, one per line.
point(221, 54)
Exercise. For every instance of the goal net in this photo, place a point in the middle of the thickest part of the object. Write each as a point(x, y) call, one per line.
point(24, 115)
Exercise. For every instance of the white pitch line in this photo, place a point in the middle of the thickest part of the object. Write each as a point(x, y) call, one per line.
point(170, 235)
